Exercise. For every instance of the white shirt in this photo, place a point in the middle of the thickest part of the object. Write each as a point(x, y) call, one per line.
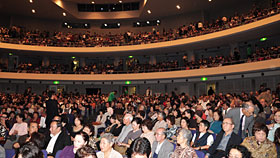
point(210, 138)
point(158, 147)
point(244, 118)
point(113, 154)
point(52, 143)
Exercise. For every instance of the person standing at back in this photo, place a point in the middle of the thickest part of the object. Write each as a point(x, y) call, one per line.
point(51, 108)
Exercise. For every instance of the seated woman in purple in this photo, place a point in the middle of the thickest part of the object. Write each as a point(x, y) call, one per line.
point(80, 140)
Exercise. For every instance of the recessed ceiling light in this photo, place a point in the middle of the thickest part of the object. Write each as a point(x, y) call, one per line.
point(86, 25)
point(119, 24)
point(158, 21)
point(65, 23)
point(120, 1)
point(64, 14)
point(33, 11)
point(148, 22)
point(149, 11)
point(31, 1)
point(178, 7)
point(105, 25)
point(209, 0)
point(92, 2)
point(138, 23)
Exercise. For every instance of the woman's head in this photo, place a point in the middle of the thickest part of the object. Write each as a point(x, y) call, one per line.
point(217, 115)
point(141, 148)
point(277, 136)
point(239, 151)
point(79, 120)
point(30, 150)
point(189, 113)
point(81, 140)
point(260, 131)
point(184, 136)
point(136, 123)
point(184, 123)
point(147, 125)
point(113, 119)
point(89, 129)
point(170, 120)
point(19, 118)
point(106, 142)
point(85, 152)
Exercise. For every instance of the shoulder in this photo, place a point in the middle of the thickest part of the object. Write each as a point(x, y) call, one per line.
point(116, 154)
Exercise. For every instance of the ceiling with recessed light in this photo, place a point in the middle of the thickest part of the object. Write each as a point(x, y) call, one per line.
point(54, 9)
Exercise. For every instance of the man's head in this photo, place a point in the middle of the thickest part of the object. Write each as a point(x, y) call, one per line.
point(161, 116)
point(127, 119)
point(204, 126)
point(160, 135)
point(55, 127)
point(248, 109)
point(228, 125)
point(33, 127)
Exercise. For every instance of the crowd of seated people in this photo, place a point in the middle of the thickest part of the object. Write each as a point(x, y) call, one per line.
point(133, 65)
point(167, 125)
point(20, 35)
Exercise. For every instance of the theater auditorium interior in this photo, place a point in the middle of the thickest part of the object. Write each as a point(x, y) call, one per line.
point(139, 78)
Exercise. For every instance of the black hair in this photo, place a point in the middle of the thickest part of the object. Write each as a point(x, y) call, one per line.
point(260, 127)
point(244, 151)
point(171, 118)
point(148, 123)
point(277, 137)
point(85, 151)
point(80, 118)
point(37, 138)
point(141, 146)
point(91, 128)
point(190, 112)
point(137, 120)
point(30, 150)
point(21, 116)
point(206, 123)
point(220, 115)
point(85, 136)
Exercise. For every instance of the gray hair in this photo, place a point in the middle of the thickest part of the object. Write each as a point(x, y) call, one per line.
point(109, 137)
point(247, 105)
point(187, 134)
point(129, 116)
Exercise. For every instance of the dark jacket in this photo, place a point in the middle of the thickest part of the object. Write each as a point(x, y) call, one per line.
point(62, 140)
point(233, 140)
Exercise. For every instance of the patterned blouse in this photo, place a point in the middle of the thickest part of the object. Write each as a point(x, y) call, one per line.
point(265, 150)
point(3, 131)
point(187, 152)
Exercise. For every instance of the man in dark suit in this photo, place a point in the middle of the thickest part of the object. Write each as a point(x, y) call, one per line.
point(57, 140)
point(51, 108)
point(243, 119)
point(224, 140)
point(161, 148)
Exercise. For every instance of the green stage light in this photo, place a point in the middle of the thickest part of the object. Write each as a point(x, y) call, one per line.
point(55, 82)
point(204, 78)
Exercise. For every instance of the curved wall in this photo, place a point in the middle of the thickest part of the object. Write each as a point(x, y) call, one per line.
point(253, 30)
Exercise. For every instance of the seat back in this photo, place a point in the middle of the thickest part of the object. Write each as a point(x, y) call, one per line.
point(58, 154)
point(9, 153)
point(45, 153)
point(200, 154)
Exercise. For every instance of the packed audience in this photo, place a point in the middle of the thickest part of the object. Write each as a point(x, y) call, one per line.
point(134, 66)
point(20, 35)
point(152, 125)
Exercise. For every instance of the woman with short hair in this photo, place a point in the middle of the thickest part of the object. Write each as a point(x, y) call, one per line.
point(184, 150)
point(106, 146)
point(258, 144)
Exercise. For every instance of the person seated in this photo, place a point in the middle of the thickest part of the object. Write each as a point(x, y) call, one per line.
point(277, 141)
point(78, 126)
point(184, 123)
point(202, 139)
point(30, 150)
point(224, 140)
point(57, 139)
point(80, 140)
point(85, 152)
point(106, 146)
point(161, 148)
point(171, 127)
point(135, 133)
point(272, 127)
point(239, 151)
point(19, 129)
point(258, 144)
point(160, 121)
point(89, 130)
point(216, 125)
point(32, 127)
point(100, 122)
point(184, 150)
point(140, 148)
point(147, 127)
point(192, 122)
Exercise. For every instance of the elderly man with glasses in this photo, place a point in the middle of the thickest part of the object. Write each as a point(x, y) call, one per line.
point(224, 140)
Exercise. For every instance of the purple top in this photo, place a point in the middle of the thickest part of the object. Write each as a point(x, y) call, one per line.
point(67, 152)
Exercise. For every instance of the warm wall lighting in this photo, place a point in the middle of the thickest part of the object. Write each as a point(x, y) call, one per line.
point(120, 1)
point(178, 7)
point(92, 2)
point(31, 1)
point(33, 11)
point(64, 14)
point(149, 11)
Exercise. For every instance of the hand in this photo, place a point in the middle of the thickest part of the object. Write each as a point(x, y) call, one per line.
point(15, 132)
point(206, 156)
point(50, 157)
